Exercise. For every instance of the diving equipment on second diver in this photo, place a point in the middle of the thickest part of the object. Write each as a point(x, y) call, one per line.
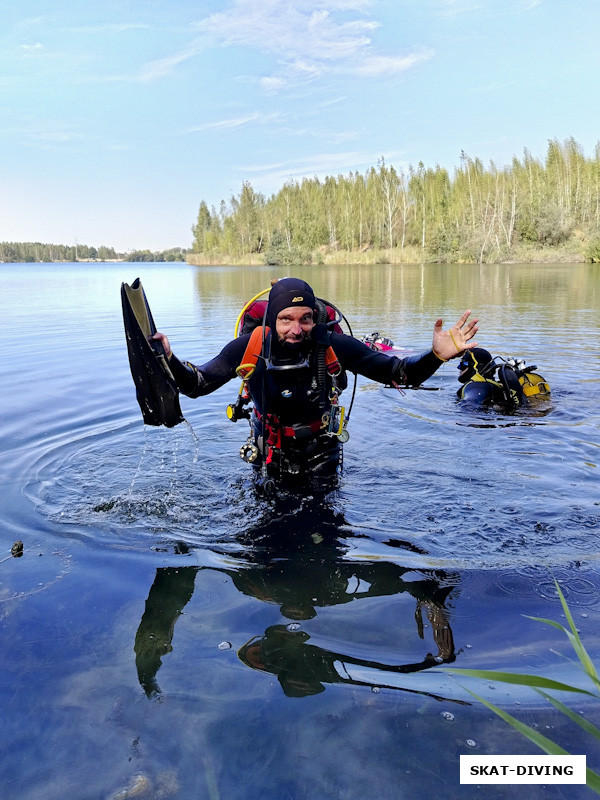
point(489, 380)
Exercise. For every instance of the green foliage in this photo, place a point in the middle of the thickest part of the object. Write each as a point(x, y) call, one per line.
point(537, 683)
point(30, 252)
point(174, 254)
point(202, 229)
point(281, 254)
point(550, 228)
point(592, 251)
point(478, 214)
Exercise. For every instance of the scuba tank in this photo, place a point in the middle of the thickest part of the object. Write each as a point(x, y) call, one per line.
point(495, 380)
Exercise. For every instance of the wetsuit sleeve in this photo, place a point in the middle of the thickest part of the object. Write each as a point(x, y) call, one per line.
point(357, 357)
point(196, 381)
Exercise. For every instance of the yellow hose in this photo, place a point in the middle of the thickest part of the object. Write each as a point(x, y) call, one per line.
point(248, 304)
point(245, 371)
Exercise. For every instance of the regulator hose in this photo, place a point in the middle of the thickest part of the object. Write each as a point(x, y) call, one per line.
point(321, 320)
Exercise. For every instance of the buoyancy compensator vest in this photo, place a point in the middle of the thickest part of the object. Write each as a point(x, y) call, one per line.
point(508, 382)
point(285, 393)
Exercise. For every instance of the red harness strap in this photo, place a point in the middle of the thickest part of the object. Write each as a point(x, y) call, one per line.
point(276, 431)
point(303, 430)
point(274, 437)
point(299, 431)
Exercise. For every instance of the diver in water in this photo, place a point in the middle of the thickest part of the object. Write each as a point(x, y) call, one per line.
point(293, 368)
point(497, 381)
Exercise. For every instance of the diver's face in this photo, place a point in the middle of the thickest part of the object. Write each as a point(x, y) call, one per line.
point(294, 324)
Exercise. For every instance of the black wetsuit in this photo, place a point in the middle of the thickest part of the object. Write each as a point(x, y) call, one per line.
point(293, 397)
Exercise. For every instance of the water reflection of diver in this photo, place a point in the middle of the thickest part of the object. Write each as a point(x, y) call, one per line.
point(301, 581)
point(302, 668)
point(171, 591)
point(496, 381)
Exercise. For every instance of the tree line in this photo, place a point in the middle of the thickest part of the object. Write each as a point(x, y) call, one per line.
point(28, 252)
point(478, 214)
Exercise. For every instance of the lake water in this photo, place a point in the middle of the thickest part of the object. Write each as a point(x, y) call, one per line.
point(169, 634)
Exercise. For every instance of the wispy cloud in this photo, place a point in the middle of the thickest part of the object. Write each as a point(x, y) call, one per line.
point(378, 66)
point(309, 39)
point(165, 66)
point(115, 27)
point(55, 137)
point(272, 83)
point(264, 167)
point(32, 22)
point(43, 133)
point(332, 102)
point(295, 31)
point(453, 8)
point(317, 165)
point(528, 5)
point(233, 122)
point(151, 70)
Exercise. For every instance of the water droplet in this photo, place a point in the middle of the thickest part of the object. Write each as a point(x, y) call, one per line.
point(225, 646)
point(375, 689)
point(448, 715)
point(585, 616)
point(471, 743)
point(468, 646)
point(293, 626)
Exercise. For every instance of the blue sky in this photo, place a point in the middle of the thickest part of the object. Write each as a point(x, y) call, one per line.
point(118, 117)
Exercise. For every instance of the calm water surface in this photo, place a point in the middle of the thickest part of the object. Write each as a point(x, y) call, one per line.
point(167, 634)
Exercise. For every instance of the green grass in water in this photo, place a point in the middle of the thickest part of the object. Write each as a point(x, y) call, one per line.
point(538, 684)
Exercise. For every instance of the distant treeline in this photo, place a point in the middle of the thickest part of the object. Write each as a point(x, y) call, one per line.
point(36, 251)
point(174, 254)
point(477, 214)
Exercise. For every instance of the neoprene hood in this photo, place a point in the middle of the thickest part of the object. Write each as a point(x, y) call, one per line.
point(286, 293)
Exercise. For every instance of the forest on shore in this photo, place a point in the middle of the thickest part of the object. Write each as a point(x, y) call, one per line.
point(532, 209)
point(30, 252)
point(539, 210)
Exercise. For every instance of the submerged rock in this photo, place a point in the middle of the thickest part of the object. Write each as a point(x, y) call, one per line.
point(139, 786)
point(17, 549)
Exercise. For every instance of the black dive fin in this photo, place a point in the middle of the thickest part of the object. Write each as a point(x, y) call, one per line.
point(155, 387)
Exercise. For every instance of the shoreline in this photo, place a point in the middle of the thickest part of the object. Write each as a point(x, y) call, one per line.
point(333, 258)
point(408, 256)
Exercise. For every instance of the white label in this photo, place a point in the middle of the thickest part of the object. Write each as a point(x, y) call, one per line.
point(522, 769)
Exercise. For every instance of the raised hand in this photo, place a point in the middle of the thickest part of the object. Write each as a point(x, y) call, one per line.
point(453, 342)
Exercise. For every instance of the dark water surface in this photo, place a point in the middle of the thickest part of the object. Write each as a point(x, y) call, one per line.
point(168, 634)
